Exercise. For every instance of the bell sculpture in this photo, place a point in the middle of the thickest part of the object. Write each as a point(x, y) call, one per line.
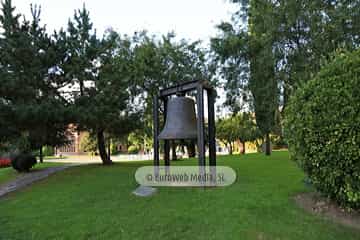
point(180, 119)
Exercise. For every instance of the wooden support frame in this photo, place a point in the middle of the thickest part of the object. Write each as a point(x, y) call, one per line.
point(200, 125)
point(166, 142)
point(156, 130)
point(182, 89)
point(211, 126)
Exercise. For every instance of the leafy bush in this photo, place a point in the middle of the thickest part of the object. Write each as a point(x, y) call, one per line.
point(323, 131)
point(133, 150)
point(88, 143)
point(5, 162)
point(48, 151)
point(23, 162)
point(278, 142)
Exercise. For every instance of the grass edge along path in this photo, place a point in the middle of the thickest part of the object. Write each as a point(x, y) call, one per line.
point(26, 179)
point(8, 174)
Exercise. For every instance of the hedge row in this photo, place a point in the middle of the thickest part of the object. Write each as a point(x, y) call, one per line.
point(322, 127)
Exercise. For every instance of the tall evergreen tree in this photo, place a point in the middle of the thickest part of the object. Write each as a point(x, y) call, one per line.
point(34, 108)
point(249, 64)
point(83, 48)
point(108, 107)
point(8, 39)
point(99, 73)
point(262, 81)
point(271, 47)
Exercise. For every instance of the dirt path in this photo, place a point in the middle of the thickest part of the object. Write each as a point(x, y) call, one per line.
point(315, 204)
point(29, 178)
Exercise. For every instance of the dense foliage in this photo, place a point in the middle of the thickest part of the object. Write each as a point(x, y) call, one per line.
point(133, 150)
point(270, 47)
point(30, 105)
point(163, 62)
point(322, 128)
point(100, 84)
point(240, 127)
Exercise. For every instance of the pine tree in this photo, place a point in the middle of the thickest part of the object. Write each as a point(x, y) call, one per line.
point(10, 29)
point(82, 45)
point(35, 109)
point(101, 69)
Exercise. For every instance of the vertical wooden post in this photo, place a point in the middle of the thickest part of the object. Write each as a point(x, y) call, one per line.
point(200, 125)
point(212, 129)
point(156, 130)
point(166, 142)
point(180, 90)
point(109, 150)
point(173, 150)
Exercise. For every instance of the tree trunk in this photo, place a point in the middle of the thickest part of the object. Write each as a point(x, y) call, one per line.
point(243, 147)
point(182, 146)
point(173, 148)
point(191, 149)
point(230, 149)
point(81, 88)
point(41, 157)
point(267, 145)
point(102, 148)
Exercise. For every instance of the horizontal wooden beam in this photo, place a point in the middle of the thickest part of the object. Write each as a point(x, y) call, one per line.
point(184, 87)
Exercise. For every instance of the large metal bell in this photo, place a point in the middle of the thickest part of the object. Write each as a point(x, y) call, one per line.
point(180, 119)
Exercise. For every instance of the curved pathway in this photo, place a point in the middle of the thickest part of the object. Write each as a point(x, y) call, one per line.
point(28, 178)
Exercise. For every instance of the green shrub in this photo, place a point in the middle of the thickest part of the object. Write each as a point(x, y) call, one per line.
point(48, 151)
point(323, 131)
point(23, 162)
point(133, 149)
point(278, 142)
point(88, 143)
point(113, 149)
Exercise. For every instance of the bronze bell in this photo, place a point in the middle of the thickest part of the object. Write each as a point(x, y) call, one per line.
point(180, 119)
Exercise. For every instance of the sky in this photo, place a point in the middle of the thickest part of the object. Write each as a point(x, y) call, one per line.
point(190, 19)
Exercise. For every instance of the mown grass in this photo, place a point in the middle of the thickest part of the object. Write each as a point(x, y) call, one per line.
point(95, 202)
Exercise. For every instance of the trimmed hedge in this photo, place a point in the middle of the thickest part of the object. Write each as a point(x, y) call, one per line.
point(23, 162)
point(322, 126)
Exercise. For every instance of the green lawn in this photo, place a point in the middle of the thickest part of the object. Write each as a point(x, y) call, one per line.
point(95, 202)
point(7, 174)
